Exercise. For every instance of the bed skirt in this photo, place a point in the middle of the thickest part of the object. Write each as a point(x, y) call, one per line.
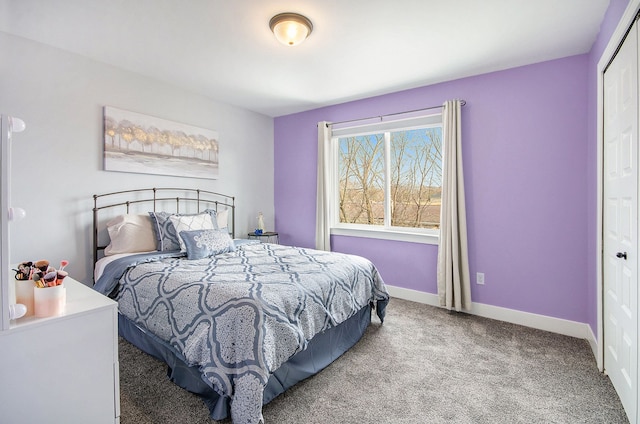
point(321, 351)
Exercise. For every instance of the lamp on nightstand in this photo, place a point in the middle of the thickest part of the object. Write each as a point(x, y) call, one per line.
point(260, 228)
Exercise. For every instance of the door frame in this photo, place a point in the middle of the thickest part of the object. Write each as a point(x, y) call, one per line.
point(612, 46)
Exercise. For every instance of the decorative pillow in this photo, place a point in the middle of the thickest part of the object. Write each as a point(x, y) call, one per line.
point(204, 243)
point(201, 221)
point(222, 218)
point(166, 235)
point(129, 234)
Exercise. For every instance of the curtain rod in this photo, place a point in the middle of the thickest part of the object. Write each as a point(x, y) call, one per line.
point(462, 103)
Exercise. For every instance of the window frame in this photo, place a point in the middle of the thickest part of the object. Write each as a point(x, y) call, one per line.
point(386, 231)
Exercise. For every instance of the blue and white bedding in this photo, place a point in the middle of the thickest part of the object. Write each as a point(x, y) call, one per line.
point(238, 316)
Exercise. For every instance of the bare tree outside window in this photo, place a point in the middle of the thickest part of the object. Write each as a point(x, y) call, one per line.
point(415, 178)
point(361, 165)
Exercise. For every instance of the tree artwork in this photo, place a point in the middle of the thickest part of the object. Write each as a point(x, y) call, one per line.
point(139, 143)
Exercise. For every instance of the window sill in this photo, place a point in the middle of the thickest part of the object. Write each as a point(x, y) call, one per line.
point(387, 235)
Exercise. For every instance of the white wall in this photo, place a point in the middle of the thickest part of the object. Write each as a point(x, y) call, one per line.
point(58, 161)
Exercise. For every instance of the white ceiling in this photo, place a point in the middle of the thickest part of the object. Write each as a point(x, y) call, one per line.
point(223, 49)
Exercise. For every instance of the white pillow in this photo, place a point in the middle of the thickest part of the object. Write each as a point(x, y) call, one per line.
point(201, 221)
point(222, 217)
point(130, 234)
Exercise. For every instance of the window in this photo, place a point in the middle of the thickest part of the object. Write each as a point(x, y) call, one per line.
point(389, 176)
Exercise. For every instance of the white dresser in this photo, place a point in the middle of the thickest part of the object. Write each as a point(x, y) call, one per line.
point(62, 369)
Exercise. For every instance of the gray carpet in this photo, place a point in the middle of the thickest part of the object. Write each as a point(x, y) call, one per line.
point(424, 365)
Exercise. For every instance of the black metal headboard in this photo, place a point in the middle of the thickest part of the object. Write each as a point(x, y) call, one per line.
point(191, 199)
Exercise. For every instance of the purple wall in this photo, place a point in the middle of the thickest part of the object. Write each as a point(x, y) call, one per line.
point(525, 156)
point(612, 17)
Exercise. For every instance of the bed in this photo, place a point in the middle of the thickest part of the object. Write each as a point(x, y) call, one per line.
point(237, 321)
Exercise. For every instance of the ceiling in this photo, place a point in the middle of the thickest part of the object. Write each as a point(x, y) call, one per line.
point(223, 49)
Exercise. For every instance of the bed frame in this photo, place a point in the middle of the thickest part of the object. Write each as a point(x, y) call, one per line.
point(321, 351)
point(191, 200)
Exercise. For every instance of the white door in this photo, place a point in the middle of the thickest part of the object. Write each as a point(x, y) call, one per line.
point(620, 217)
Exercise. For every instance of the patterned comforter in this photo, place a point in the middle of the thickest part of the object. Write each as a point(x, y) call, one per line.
point(239, 316)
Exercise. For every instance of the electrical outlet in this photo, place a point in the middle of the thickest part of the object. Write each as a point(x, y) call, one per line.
point(479, 277)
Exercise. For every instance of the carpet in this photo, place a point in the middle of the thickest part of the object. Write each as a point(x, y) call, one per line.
point(423, 365)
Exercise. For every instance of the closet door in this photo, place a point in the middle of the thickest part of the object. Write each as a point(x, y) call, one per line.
point(620, 217)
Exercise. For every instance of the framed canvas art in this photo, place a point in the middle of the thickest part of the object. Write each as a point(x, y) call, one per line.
point(139, 143)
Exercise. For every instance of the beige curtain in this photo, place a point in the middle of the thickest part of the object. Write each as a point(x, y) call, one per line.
point(454, 281)
point(324, 188)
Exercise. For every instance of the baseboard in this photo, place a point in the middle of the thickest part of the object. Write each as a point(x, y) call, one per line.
point(414, 295)
point(593, 342)
point(541, 322)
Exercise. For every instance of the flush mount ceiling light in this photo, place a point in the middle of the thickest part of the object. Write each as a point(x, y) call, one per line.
point(290, 28)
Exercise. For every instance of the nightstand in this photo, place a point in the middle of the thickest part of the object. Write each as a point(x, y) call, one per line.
point(266, 237)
